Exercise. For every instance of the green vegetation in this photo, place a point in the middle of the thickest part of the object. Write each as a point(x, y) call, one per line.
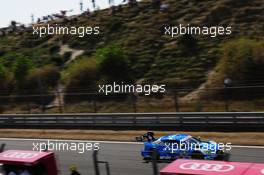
point(242, 61)
point(82, 74)
point(113, 64)
point(49, 76)
point(109, 64)
point(6, 80)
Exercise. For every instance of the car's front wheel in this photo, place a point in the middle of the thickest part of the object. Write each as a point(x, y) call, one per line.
point(222, 156)
point(197, 155)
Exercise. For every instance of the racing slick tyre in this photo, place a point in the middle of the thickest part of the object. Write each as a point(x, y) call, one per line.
point(197, 155)
point(222, 156)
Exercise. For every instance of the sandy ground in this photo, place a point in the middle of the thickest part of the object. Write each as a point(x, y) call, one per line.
point(236, 138)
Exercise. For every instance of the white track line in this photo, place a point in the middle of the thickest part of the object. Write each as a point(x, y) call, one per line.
point(54, 140)
point(253, 147)
point(108, 142)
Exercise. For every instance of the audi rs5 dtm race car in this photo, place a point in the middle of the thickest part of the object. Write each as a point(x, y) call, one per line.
point(176, 146)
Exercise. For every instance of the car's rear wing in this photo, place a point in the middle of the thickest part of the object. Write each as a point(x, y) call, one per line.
point(203, 167)
point(149, 136)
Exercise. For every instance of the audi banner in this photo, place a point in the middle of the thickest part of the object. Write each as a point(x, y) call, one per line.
point(202, 167)
point(22, 155)
point(256, 169)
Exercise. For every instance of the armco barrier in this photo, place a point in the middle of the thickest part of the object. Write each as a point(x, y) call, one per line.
point(175, 121)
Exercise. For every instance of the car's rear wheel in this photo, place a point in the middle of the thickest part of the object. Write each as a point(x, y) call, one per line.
point(197, 155)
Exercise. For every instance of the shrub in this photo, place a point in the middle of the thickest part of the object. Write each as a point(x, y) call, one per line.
point(21, 68)
point(187, 45)
point(54, 49)
point(40, 81)
point(6, 80)
point(80, 76)
point(114, 25)
point(56, 60)
point(6, 86)
point(242, 61)
point(66, 56)
point(48, 75)
point(113, 64)
point(2, 52)
point(82, 73)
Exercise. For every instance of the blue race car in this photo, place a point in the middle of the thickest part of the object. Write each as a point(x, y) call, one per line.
point(171, 147)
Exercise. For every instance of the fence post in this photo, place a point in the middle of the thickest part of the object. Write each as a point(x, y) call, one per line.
point(134, 101)
point(176, 101)
point(95, 160)
point(107, 168)
point(154, 162)
point(41, 95)
point(227, 84)
point(59, 100)
point(226, 99)
point(95, 106)
point(28, 107)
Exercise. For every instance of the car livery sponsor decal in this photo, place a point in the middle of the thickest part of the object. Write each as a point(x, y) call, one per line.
point(206, 167)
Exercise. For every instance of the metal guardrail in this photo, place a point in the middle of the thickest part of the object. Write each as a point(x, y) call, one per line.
point(242, 120)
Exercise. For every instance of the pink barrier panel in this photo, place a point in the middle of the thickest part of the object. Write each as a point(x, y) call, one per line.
point(256, 169)
point(203, 167)
point(22, 156)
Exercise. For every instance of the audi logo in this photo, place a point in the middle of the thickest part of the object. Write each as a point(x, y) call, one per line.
point(206, 167)
point(262, 171)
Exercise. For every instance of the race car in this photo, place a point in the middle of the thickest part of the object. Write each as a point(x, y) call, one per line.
point(176, 146)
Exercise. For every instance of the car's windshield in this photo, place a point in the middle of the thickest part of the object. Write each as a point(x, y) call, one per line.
point(193, 140)
point(158, 141)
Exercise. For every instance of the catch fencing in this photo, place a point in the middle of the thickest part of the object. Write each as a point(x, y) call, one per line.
point(228, 99)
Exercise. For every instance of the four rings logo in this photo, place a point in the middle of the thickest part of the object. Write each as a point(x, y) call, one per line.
point(206, 167)
point(20, 155)
point(262, 171)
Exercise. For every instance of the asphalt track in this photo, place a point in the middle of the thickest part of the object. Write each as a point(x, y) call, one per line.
point(123, 157)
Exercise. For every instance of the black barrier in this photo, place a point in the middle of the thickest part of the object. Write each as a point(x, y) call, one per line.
point(97, 162)
point(155, 162)
point(2, 147)
point(230, 121)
